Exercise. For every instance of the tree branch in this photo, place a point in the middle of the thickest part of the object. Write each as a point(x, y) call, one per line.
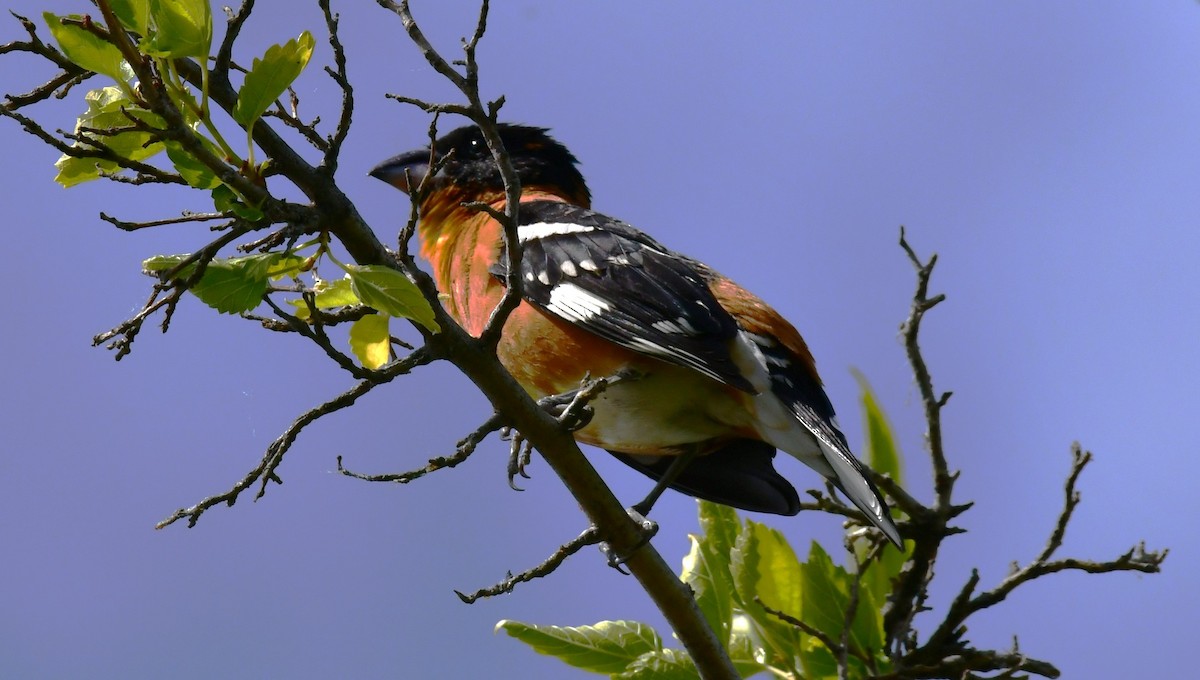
point(264, 472)
point(590, 536)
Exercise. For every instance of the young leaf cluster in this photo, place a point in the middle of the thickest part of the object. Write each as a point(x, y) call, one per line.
point(774, 613)
point(141, 49)
point(237, 285)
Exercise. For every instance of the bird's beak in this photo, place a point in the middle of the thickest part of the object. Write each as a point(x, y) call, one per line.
point(405, 172)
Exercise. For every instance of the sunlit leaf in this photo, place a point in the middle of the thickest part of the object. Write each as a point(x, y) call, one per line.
point(707, 572)
point(882, 453)
point(720, 525)
point(667, 664)
point(287, 264)
point(607, 647)
point(230, 285)
point(270, 76)
point(83, 48)
point(133, 14)
point(742, 650)
point(327, 295)
point(370, 341)
point(778, 572)
point(181, 28)
point(392, 293)
point(109, 110)
point(754, 563)
point(884, 456)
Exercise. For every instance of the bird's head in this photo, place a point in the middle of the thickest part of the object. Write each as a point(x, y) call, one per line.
point(467, 165)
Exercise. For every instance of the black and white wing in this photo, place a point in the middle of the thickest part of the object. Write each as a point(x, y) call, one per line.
point(610, 279)
point(803, 397)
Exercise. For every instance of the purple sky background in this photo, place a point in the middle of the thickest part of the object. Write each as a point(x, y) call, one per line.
point(1049, 153)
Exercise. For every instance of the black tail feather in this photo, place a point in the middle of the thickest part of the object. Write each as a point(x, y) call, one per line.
point(740, 475)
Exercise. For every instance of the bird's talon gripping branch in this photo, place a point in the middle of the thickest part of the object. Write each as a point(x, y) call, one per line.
point(647, 528)
point(570, 408)
point(722, 380)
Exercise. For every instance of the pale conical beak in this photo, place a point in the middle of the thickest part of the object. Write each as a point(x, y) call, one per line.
point(399, 171)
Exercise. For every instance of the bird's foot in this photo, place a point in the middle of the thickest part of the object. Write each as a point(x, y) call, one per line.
point(520, 452)
point(647, 528)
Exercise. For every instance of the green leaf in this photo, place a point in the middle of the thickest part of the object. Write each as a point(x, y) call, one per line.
point(827, 597)
point(327, 295)
point(708, 574)
point(778, 570)
point(882, 453)
point(288, 264)
point(370, 341)
point(332, 294)
point(270, 77)
point(742, 651)
point(109, 109)
point(230, 285)
point(816, 660)
point(607, 647)
point(390, 292)
point(706, 567)
point(754, 567)
point(881, 572)
point(720, 525)
point(181, 28)
point(133, 14)
point(884, 456)
point(190, 168)
point(226, 199)
point(85, 49)
point(667, 664)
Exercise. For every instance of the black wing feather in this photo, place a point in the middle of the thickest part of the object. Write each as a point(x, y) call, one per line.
point(612, 280)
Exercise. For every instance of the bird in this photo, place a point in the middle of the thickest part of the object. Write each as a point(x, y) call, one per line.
point(710, 380)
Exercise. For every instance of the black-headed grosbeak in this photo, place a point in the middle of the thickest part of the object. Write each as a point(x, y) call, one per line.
point(721, 377)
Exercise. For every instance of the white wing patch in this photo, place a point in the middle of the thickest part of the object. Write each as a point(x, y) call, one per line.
point(680, 326)
point(529, 232)
point(574, 303)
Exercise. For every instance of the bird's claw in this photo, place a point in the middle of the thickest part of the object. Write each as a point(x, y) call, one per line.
point(646, 527)
point(520, 452)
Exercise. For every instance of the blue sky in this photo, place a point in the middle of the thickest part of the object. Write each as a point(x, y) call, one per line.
point(1047, 152)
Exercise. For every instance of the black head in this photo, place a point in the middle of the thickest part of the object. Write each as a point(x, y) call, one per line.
point(539, 160)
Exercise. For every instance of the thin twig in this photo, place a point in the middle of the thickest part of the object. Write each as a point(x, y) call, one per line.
point(185, 218)
point(589, 537)
point(333, 148)
point(264, 472)
point(463, 450)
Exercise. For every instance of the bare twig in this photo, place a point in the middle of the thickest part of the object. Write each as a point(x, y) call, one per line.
point(590, 536)
point(307, 130)
point(929, 524)
point(486, 119)
point(175, 288)
point(466, 446)
point(945, 654)
point(233, 28)
point(838, 649)
point(333, 148)
point(964, 605)
point(910, 329)
point(316, 333)
point(264, 472)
